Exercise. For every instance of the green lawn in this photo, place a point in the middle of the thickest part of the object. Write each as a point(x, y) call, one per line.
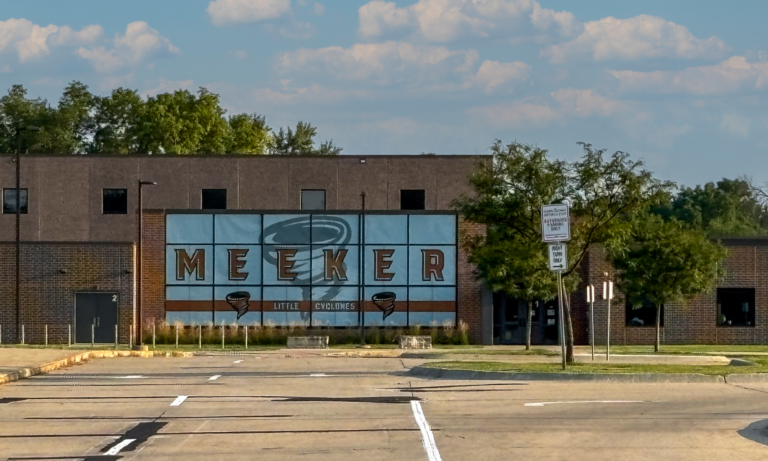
point(681, 350)
point(761, 366)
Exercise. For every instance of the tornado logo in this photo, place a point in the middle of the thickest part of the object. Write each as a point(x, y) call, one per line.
point(385, 301)
point(239, 302)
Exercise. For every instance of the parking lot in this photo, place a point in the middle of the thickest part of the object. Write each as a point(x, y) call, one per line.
point(271, 407)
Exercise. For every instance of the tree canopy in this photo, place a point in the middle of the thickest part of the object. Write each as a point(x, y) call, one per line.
point(122, 122)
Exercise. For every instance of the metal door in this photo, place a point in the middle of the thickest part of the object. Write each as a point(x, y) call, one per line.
point(95, 317)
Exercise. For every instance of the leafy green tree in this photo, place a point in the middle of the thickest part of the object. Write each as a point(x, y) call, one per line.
point(730, 207)
point(665, 262)
point(213, 127)
point(67, 128)
point(249, 134)
point(115, 122)
point(17, 111)
point(509, 193)
point(301, 142)
point(167, 124)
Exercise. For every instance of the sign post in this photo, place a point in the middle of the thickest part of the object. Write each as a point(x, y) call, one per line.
point(608, 294)
point(555, 229)
point(591, 301)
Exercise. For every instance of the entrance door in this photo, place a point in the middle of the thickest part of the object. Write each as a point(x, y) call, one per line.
point(509, 321)
point(98, 310)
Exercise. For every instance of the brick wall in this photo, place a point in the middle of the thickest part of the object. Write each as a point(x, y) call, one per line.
point(153, 268)
point(690, 322)
point(470, 289)
point(48, 294)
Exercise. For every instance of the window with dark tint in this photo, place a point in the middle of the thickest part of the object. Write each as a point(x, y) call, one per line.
point(736, 307)
point(214, 199)
point(114, 201)
point(643, 316)
point(412, 199)
point(312, 199)
point(9, 200)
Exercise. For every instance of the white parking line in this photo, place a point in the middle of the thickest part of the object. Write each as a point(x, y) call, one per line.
point(214, 377)
point(427, 439)
point(129, 377)
point(541, 404)
point(317, 375)
point(179, 400)
point(237, 361)
point(116, 449)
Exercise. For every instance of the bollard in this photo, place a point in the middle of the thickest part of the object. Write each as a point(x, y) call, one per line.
point(69, 335)
point(22, 334)
point(153, 336)
point(46, 334)
point(200, 336)
point(93, 334)
point(177, 336)
point(115, 335)
point(130, 337)
point(222, 336)
point(246, 336)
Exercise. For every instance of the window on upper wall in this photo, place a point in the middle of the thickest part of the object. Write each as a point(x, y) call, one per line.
point(114, 201)
point(214, 199)
point(312, 199)
point(412, 199)
point(643, 316)
point(9, 201)
point(736, 307)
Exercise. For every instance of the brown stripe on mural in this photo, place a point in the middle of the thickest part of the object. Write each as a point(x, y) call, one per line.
point(219, 305)
point(400, 306)
point(197, 306)
point(432, 306)
point(285, 306)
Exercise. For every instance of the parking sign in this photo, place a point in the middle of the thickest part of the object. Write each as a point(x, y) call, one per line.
point(555, 223)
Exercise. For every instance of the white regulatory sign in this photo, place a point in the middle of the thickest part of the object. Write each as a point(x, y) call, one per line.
point(555, 223)
point(558, 256)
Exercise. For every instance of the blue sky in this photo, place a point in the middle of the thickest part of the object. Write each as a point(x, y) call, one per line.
point(680, 84)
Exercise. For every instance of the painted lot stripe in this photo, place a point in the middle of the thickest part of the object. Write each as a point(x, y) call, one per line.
point(541, 404)
point(214, 377)
point(317, 375)
point(427, 439)
point(238, 361)
point(179, 400)
point(129, 377)
point(116, 449)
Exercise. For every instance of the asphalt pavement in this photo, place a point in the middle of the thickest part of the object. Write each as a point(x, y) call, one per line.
point(307, 407)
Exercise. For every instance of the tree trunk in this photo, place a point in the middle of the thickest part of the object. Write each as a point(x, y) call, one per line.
point(568, 328)
point(658, 329)
point(528, 319)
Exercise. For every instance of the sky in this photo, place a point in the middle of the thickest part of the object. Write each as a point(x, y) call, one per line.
point(682, 85)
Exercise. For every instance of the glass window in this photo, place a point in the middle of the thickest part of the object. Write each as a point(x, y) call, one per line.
point(412, 199)
point(114, 201)
point(9, 200)
point(312, 199)
point(214, 199)
point(736, 307)
point(644, 315)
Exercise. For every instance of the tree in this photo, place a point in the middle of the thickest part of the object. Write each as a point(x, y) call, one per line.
point(665, 262)
point(730, 207)
point(209, 116)
point(509, 193)
point(115, 122)
point(17, 111)
point(249, 134)
point(69, 126)
point(301, 142)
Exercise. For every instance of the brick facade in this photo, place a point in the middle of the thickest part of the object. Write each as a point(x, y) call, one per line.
point(470, 289)
point(51, 274)
point(153, 267)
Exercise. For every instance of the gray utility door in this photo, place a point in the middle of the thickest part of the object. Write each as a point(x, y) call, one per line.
point(99, 310)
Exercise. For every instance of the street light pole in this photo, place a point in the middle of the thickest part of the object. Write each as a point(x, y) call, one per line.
point(361, 299)
point(140, 339)
point(18, 223)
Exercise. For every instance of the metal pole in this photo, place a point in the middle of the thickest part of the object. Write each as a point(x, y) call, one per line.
point(246, 336)
point(46, 334)
point(130, 337)
point(18, 231)
point(69, 335)
point(1, 335)
point(200, 336)
point(139, 340)
point(592, 321)
point(361, 299)
point(561, 330)
point(116, 341)
point(177, 336)
point(93, 334)
point(222, 336)
point(608, 334)
point(153, 335)
point(22, 334)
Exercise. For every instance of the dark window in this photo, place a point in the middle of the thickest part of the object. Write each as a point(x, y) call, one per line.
point(643, 316)
point(114, 201)
point(736, 307)
point(214, 199)
point(9, 200)
point(312, 199)
point(412, 199)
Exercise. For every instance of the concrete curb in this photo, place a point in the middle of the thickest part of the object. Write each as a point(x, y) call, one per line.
point(746, 378)
point(438, 373)
point(82, 357)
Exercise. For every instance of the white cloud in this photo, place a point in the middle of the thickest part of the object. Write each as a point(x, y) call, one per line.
point(516, 114)
point(380, 63)
point(167, 86)
point(319, 9)
point(635, 38)
point(446, 20)
point(736, 124)
point(5, 69)
point(493, 74)
point(586, 103)
point(223, 12)
point(240, 54)
point(138, 43)
point(33, 41)
point(312, 94)
point(296, 29)
point(728, 76)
